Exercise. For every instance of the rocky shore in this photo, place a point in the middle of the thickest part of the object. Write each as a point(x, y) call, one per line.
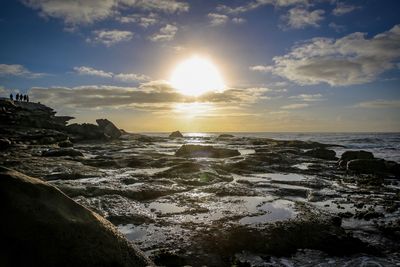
point(214, 201)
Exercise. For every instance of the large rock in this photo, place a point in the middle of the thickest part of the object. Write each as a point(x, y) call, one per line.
point(41, 226)
point(109, 128)
point(86, 131)
point(62, 152)
point(176, 134)
point(350, 155)
point(367, 165)
point(4, 143)
point(321, 153)
point(198, 151)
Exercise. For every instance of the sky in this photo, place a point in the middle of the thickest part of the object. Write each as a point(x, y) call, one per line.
point(287, 65)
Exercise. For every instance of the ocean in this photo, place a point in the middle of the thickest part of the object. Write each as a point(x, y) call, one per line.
point(382, 145)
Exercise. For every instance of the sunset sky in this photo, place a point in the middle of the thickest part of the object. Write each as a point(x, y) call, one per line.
point(287, 65)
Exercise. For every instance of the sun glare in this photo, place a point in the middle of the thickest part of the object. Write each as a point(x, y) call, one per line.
point(196, 76)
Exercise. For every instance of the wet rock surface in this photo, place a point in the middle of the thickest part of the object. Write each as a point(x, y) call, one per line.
point(200, 151)
point(206, 200)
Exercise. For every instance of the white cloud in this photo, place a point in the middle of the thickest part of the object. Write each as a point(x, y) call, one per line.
point(166, 33)
point(337, 27)
point(261, 68)
point(380, 103)
point(296, 106)
point(148, 96)
point(238, 20)
point(131, 77)
point(123, 77)
point(143, 20)
point(110, 37)
point(76, 12)
point(217, 19)
point(308, 97)
point(342, 8)
point(299, 18)
point(259, 3)
point(353, 59)
point(92, 72)
point(17, 70)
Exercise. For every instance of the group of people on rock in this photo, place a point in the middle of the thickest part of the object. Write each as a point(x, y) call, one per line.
point(20, 97)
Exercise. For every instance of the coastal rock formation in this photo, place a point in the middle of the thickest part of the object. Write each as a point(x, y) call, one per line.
point(109, 128)
point(62, 152)
point(199, 151)
point(176, 134)
point(351, 155)
point(42, 226)
point(35, 123)
point(321, 153)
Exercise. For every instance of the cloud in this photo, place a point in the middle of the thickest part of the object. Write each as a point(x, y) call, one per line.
point(352, 59)
point(308, 97)
point(380, 103)
point(123, 77)
point(238, 20)
point(147, 95)
point(337, 27)
point(296, 106)
point(143, 20)
point(259, 3)
point(166, 33)
point(217, 19)
point(88, 11)
point(110, 37)
point(261, 68)
point(18, 70)
point(92, 72)
point(300, 18)
point(342, 8)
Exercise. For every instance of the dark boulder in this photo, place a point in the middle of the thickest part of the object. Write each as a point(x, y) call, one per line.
point(321, 153)
point(86, 131)
point(42, 226)
point(199, 151)
point(176, 134)
point(62, 152)
point(4, 143)
point(367, 165)
point(109, 128)
point(66, 143)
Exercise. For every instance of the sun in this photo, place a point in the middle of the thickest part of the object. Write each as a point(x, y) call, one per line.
point(196, 76)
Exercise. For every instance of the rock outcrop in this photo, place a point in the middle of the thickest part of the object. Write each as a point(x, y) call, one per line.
point(176, 134)
point(35, 123)
point(351, 155)
point(321, 153)
point(41, 226)
point(198, 151)
point(109, 128)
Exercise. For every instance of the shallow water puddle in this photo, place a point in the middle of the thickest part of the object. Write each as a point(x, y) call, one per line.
point(291, 177)
point(302, 166)
point(246, 151)
point(165, 208)
point(132, 232)
point(279, 210)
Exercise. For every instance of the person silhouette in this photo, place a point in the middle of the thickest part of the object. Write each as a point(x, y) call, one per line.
point(24, 97)
point(21, 97)
point(27, 98)
point(17, 97)
point(11, 97)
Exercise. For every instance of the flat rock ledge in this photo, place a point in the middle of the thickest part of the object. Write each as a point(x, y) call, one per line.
point(41, 226)
point(199, 151)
